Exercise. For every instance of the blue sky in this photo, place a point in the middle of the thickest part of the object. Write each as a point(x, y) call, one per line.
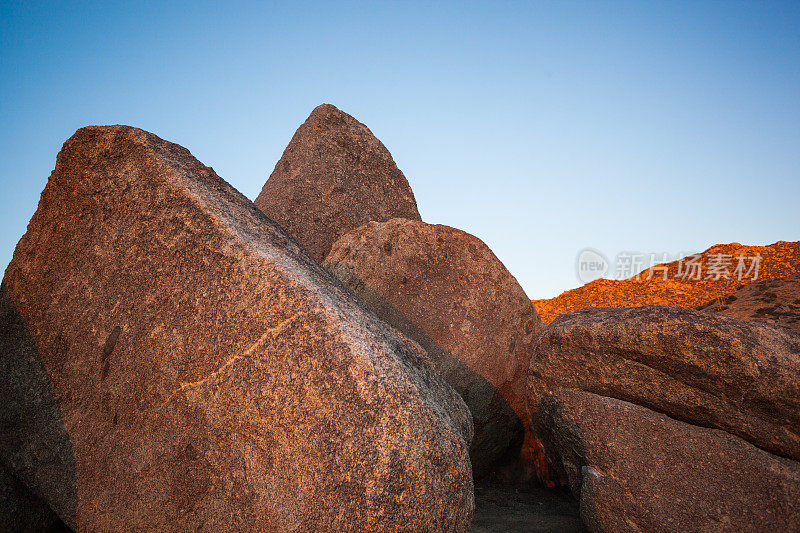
point(542, 128)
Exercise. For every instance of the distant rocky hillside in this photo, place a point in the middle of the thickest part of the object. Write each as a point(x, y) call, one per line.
point(775, 301)
point(689, 282)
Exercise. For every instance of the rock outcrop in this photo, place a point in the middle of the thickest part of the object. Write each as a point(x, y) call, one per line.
point(713, 275)
point(446, 290)
point(173, 360)
point(333, 177)
point(704, 369)
point(775, 301)
point(665, 418)
point(635, 470)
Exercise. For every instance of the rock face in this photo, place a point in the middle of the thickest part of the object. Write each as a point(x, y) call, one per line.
point(704, 369)
point(332, 178)
point(445, 289)
point(664, 418)
point(20, 510)
point(172, 360)
point(635, 470)
point(714, 276)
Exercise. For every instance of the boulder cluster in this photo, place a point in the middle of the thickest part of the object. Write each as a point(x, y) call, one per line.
point(176, 357)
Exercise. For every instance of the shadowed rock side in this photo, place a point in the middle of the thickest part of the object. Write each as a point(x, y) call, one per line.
point(21, 510)
point(333, 177)
point(445, 289)
point(33, 436)
point(636, 470)
point(535, 510)
point(700, 368)
point(683, 286)
point(500, 427)
point(210, 374)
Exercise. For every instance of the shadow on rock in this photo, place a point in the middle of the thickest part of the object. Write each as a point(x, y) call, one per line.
point(34, 443)
point(499, 430)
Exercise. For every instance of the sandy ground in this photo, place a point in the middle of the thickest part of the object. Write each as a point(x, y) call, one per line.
point(500, 510)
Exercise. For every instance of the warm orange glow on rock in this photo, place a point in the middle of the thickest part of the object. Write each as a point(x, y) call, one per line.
point(778, 260)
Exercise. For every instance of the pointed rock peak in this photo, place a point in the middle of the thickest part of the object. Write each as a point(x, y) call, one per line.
point(328, 117)
point(329, 113)
point(333, 177)
point(325, 109)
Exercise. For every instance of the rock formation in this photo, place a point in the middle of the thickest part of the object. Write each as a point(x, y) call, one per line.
point(667, 418)
point(172, 360)
point(636, 470)
point(701, 368)
point(332, 178)
point(680, 288)
point(445, 289)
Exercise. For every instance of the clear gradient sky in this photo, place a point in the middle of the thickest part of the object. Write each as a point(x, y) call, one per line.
point(542, 128)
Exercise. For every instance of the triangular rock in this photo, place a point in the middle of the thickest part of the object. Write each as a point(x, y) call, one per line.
point(334, 176)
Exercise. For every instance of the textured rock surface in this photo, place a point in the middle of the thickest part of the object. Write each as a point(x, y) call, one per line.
point(333, 177)
point(683, 286)
point(22, 511)
point(187, 366)
point(637, 470)
point(445, 289)
point(701, 368)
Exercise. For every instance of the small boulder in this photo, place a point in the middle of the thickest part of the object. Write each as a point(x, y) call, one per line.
point(445, 289)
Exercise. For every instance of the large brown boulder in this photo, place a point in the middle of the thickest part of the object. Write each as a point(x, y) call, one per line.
point(445, 289)
point(636, 470)
point(701, 368)
point(172, 360)
point(334, 176)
